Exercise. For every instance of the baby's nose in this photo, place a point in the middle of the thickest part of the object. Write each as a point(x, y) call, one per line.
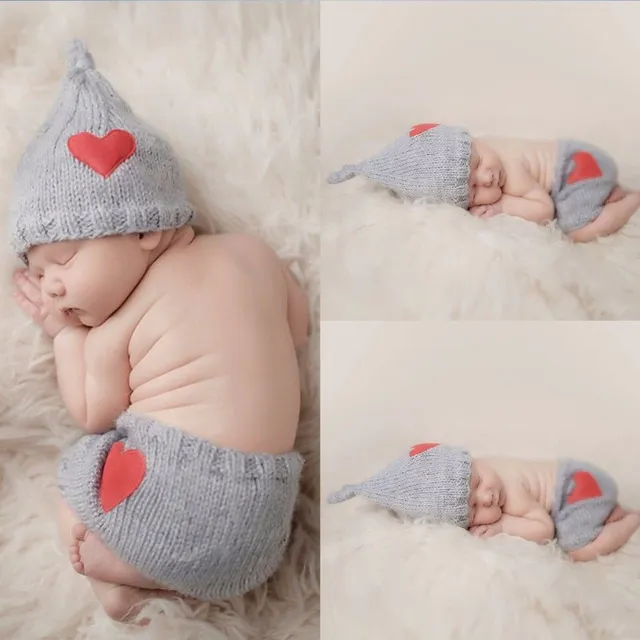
point(52, 287)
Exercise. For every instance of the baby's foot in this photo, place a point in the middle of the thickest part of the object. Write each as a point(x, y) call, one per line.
point(90, 557)
point(617, 194)
point(123, 603)
point(617, 514)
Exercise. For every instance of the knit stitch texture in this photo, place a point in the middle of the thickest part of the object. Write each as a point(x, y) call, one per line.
point(433, 485)
point(205, 521)
point(59, 197)
point(430, 162)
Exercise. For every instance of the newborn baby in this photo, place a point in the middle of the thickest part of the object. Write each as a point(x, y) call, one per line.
point(574, 182)
point(575, 502)
point(175, 353)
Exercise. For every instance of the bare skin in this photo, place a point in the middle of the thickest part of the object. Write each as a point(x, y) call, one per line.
point(516, 497)
point(515, 177)
point(197, 332)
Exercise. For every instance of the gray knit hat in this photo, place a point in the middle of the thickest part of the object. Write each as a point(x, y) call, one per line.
point(430, 162)
point(431, 481)
point(94, 169)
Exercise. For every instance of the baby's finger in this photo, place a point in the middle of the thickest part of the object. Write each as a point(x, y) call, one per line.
point(32, 310)
point(29, 288)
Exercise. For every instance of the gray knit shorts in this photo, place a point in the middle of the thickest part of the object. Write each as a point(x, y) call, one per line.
point(584, 178)
point(205, 521)
point(584, 498)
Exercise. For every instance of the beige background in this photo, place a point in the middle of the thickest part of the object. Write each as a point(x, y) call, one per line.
point(515, 388)
point(507, 68)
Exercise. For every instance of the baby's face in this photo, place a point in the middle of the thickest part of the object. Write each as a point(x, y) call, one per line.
point(88, 280)
point(486, 495)
point(486, 175)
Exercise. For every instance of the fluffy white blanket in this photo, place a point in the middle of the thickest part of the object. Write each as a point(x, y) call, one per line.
point(384, 579)
point(234, 88)
point(387, 260)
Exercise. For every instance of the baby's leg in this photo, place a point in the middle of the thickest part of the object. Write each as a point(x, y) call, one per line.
point(297, 309)
point(614, 216)
point(619, 527)
point(120, 602)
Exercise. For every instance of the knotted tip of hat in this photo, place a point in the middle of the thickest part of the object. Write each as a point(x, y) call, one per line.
point(346, 493)
point(79, 59)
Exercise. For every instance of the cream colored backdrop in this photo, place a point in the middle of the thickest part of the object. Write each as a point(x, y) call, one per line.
point(506, 68)
point(515, 388)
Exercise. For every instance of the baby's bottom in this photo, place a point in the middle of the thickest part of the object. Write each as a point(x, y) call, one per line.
point(297, 308)
point(119, 588)
point(617, 530)
point(619, 207)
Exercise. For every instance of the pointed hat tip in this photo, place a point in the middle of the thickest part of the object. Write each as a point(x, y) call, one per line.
point(79, 58)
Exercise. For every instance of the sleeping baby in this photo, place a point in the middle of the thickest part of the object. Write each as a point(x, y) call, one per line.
point(175, 353)
point(572, 501)
point(538, 180)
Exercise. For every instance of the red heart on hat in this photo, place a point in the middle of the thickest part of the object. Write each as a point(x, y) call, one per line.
point(585, 167)
point(103, 155)
point(122, 474)
point(421, 448)
point(585, 486)
point(417, 129)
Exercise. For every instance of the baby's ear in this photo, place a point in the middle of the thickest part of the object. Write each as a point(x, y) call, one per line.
point(150, 240)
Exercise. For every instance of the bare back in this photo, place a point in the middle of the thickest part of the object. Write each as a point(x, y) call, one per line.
point(537, 157)
point(210, 348)
point(526, 481)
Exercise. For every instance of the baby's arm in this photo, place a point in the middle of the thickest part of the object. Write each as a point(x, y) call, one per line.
point(93, 377)
point(523, 197)
point(535, 525)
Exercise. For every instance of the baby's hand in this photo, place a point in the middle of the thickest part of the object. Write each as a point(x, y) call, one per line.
point(485, 210)
point(29, 298)
point(485, 530)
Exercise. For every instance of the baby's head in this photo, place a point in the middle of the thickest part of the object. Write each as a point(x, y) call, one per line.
point(486, 174)
point(435, 482)
point(486, 494)
point(88, 280)
point(96, 193)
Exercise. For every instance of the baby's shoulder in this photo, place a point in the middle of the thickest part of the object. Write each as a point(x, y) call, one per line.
point(240, 250)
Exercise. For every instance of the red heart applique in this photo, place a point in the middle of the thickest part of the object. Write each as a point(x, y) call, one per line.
point(122, 474)
point(103, 155)
point(417, 129)
point(585, 486)
point(585, 167)
point(421, 448)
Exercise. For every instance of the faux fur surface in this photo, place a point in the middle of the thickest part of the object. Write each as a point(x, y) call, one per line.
point(383, 259)
point(382, 578)
point(234, 88)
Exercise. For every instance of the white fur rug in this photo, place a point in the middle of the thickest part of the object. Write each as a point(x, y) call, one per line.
point(234, 88)
point(386, 260)
point(384, 579)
